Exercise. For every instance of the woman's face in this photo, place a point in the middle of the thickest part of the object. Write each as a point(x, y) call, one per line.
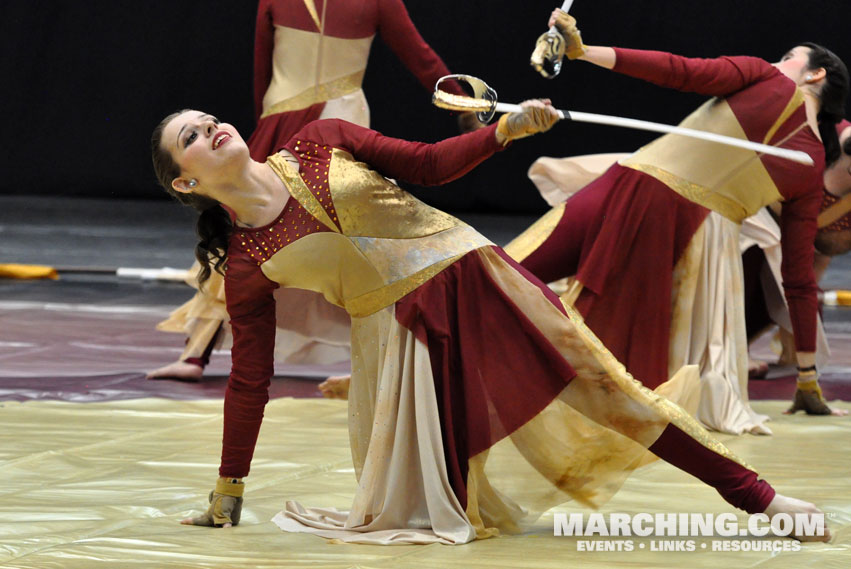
point(795, 64)
point(837, 178)
point(204, 148)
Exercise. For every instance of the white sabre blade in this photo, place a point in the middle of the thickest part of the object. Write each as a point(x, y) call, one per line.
point(793, 155)
point(485, 104)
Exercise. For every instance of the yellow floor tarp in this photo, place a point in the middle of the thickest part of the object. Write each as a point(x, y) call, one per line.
point(104, 485)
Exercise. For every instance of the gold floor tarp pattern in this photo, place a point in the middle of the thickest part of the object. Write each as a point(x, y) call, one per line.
point(105, 484)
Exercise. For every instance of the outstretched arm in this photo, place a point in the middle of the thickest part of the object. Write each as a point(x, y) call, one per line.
point(251, 306)
point(430, 164)
point(798, 226)
point(715, 77)
point(600, 56)
point(798, 230)
point(252, 310)
point(416, 162)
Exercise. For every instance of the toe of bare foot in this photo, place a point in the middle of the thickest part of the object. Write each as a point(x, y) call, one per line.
point(183, 371)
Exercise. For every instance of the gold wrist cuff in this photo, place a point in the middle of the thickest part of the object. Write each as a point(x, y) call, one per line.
point(502, 126)
point(503, 130)
point(230, 486)
point(577, 51)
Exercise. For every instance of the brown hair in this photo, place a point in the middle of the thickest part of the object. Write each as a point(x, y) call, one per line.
point(214, 225)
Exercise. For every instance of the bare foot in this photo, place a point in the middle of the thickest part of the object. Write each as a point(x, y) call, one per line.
point(336, 387)
point(192, 522)
point(182, 371)
point(760, 429)
point(785, 505)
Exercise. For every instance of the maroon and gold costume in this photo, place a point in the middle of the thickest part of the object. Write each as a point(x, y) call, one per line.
point(309, 54)
point(471, 385)
point(309, 63)
point(629, 236)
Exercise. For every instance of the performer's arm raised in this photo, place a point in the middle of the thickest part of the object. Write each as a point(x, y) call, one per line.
point(715, 77)
point(432, 164)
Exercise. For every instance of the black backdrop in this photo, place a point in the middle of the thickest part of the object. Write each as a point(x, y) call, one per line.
point(83, 83)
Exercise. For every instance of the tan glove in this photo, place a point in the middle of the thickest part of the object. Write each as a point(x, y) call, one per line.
point(808, 397)
point(566, 25)
point(225, 505)
point(538, 116)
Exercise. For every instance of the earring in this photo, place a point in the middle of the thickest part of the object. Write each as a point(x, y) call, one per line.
point(193, 182)
point(809, 77)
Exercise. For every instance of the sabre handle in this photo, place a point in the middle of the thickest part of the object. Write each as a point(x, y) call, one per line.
point(512, 108)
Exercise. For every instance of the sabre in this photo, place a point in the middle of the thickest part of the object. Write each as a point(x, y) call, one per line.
point(549, 49)
point(484, 103)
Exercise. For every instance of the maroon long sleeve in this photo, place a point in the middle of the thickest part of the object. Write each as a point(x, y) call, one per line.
point(798, 229)
point(251, 307)
point(416, 162)
point(401, 35)
point(716, 77)
point(264, 44)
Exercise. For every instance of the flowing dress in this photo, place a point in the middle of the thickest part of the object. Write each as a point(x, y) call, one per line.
point(476, 402)
point(654, 242)
point(559, 178)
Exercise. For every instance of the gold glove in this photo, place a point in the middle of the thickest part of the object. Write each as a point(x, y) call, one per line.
point(225, 505)
point(566, 25)
point(537, 116)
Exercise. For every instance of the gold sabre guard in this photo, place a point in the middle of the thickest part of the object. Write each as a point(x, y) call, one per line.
point(549, 49)
point(485, 106)
point(483, 101)
point(549, 54)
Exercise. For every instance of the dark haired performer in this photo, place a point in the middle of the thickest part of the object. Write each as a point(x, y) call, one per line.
point(310, 57)
point(475, 399)
point(653, 242)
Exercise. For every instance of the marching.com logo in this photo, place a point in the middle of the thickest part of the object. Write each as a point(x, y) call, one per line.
point(686, 525)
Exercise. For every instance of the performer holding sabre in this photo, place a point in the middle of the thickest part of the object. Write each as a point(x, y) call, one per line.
point(653, 242)
point(549, 49)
